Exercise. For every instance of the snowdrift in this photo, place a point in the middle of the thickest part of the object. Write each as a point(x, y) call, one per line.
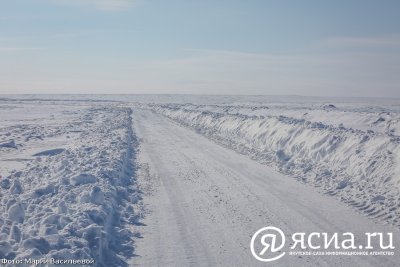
point(350, 154)
point(75, 202)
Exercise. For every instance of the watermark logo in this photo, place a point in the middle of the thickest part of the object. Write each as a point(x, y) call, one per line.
point(272, 240)
point(268, 244)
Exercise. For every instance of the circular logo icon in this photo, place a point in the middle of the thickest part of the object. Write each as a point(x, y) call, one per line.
point(266, 244)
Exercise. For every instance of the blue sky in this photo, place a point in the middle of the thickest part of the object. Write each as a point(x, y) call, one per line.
point(322, 48)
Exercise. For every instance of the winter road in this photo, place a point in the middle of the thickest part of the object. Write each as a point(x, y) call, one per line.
point(205, 202)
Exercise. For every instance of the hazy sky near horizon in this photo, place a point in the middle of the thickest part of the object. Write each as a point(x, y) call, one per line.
point(311, 47)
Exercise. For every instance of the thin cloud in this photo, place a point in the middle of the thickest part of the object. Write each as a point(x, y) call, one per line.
point(270, 59)
point(16, 49)
point(387, 41)
point(110, 5)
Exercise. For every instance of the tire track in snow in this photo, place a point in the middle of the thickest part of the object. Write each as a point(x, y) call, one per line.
point(207, 202)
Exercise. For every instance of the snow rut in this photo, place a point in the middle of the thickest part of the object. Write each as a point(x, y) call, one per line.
point(357, 166)
point(76, 203)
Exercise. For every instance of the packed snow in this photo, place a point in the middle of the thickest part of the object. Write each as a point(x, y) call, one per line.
point(206, 201)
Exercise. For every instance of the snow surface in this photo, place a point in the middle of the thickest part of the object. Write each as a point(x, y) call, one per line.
point(74, 183)
point(71, 193)
point(352, 153)
point(206, 201)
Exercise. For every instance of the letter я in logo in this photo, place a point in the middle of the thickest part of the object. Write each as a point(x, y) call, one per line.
point(262, 236)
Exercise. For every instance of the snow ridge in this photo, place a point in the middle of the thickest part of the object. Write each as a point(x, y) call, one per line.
point(76, 202)
point(355, 164)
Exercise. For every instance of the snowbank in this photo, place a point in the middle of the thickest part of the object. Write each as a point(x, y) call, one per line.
point(343, 152)
point(76, 202)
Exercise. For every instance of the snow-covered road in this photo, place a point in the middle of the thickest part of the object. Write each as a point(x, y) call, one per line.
point(204, 202)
